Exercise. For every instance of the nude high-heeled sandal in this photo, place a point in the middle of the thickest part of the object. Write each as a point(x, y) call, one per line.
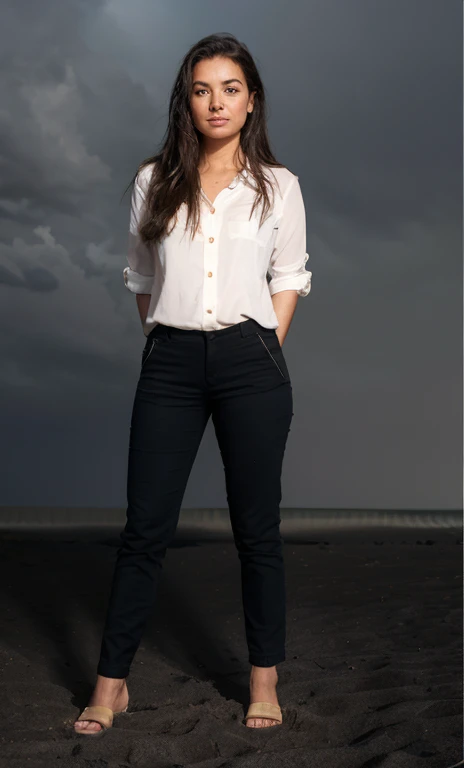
point(99, 714)
point(265, 711)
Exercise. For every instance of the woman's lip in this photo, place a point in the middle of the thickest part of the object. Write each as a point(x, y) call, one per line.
point(219, 120)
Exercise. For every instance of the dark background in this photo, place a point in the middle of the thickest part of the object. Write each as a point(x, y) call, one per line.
point(365, 106)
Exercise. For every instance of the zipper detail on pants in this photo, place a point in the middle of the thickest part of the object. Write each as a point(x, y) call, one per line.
point(270, 355)
point(151, 349)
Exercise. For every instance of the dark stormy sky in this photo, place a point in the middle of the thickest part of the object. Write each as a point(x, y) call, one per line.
point(365, 102)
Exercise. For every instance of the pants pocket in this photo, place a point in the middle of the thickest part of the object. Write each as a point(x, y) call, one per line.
point(281, 366)
point(148, 349)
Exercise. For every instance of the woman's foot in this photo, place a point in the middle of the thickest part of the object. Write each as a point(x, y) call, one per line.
point(263, 681)
point(109, 692)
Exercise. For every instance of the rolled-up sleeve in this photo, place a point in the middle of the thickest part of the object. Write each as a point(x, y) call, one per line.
point(138, 276)
point(288, 259)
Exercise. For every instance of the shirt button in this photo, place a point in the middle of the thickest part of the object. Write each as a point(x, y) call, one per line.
point(210, 274)
point(211, 239)
point(209, 310)
point(212, 210)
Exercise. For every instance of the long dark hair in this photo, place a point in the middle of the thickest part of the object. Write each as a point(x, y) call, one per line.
point(176, 179)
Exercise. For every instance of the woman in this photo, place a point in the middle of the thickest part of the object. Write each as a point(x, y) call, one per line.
point(204, 233)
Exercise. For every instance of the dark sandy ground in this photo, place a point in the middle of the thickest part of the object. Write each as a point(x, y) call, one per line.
point(373, 675)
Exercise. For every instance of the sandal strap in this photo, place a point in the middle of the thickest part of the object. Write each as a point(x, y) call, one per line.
point(99, 714)
point(264, 710)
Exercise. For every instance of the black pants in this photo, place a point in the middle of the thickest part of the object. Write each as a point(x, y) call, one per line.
point(239, 376)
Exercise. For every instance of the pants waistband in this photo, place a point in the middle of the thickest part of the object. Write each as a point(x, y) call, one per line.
point(245, 328)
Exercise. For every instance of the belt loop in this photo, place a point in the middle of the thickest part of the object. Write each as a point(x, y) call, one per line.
point(248, 327)
point(161, 330)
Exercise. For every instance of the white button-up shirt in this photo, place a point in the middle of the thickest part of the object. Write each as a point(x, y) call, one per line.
point(220, 277)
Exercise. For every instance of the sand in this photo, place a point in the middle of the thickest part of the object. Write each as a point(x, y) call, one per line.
point(373, 675)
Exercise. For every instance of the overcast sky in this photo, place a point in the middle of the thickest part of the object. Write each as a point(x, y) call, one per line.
point(365, 100)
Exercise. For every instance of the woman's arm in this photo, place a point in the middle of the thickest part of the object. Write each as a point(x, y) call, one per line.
point(289, 278)
point(284, 303)
point(143, 303)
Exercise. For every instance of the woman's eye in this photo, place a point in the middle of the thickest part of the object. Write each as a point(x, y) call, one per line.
point(228, 89)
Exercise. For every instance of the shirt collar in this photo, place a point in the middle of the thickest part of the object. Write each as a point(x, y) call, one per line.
point(241, 175)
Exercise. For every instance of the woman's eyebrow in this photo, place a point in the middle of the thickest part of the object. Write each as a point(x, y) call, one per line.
point(224, 82)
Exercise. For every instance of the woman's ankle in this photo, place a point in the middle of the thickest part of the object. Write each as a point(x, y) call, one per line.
point(113, 682)
point(263, 673)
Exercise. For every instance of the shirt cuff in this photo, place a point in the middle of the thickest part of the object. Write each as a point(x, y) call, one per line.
point(299, 283)
point(137, 283)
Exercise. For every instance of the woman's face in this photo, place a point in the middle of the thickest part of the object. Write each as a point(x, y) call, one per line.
point(219, 90)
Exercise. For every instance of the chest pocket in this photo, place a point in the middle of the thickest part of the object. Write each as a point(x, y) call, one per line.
point(250, 230)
